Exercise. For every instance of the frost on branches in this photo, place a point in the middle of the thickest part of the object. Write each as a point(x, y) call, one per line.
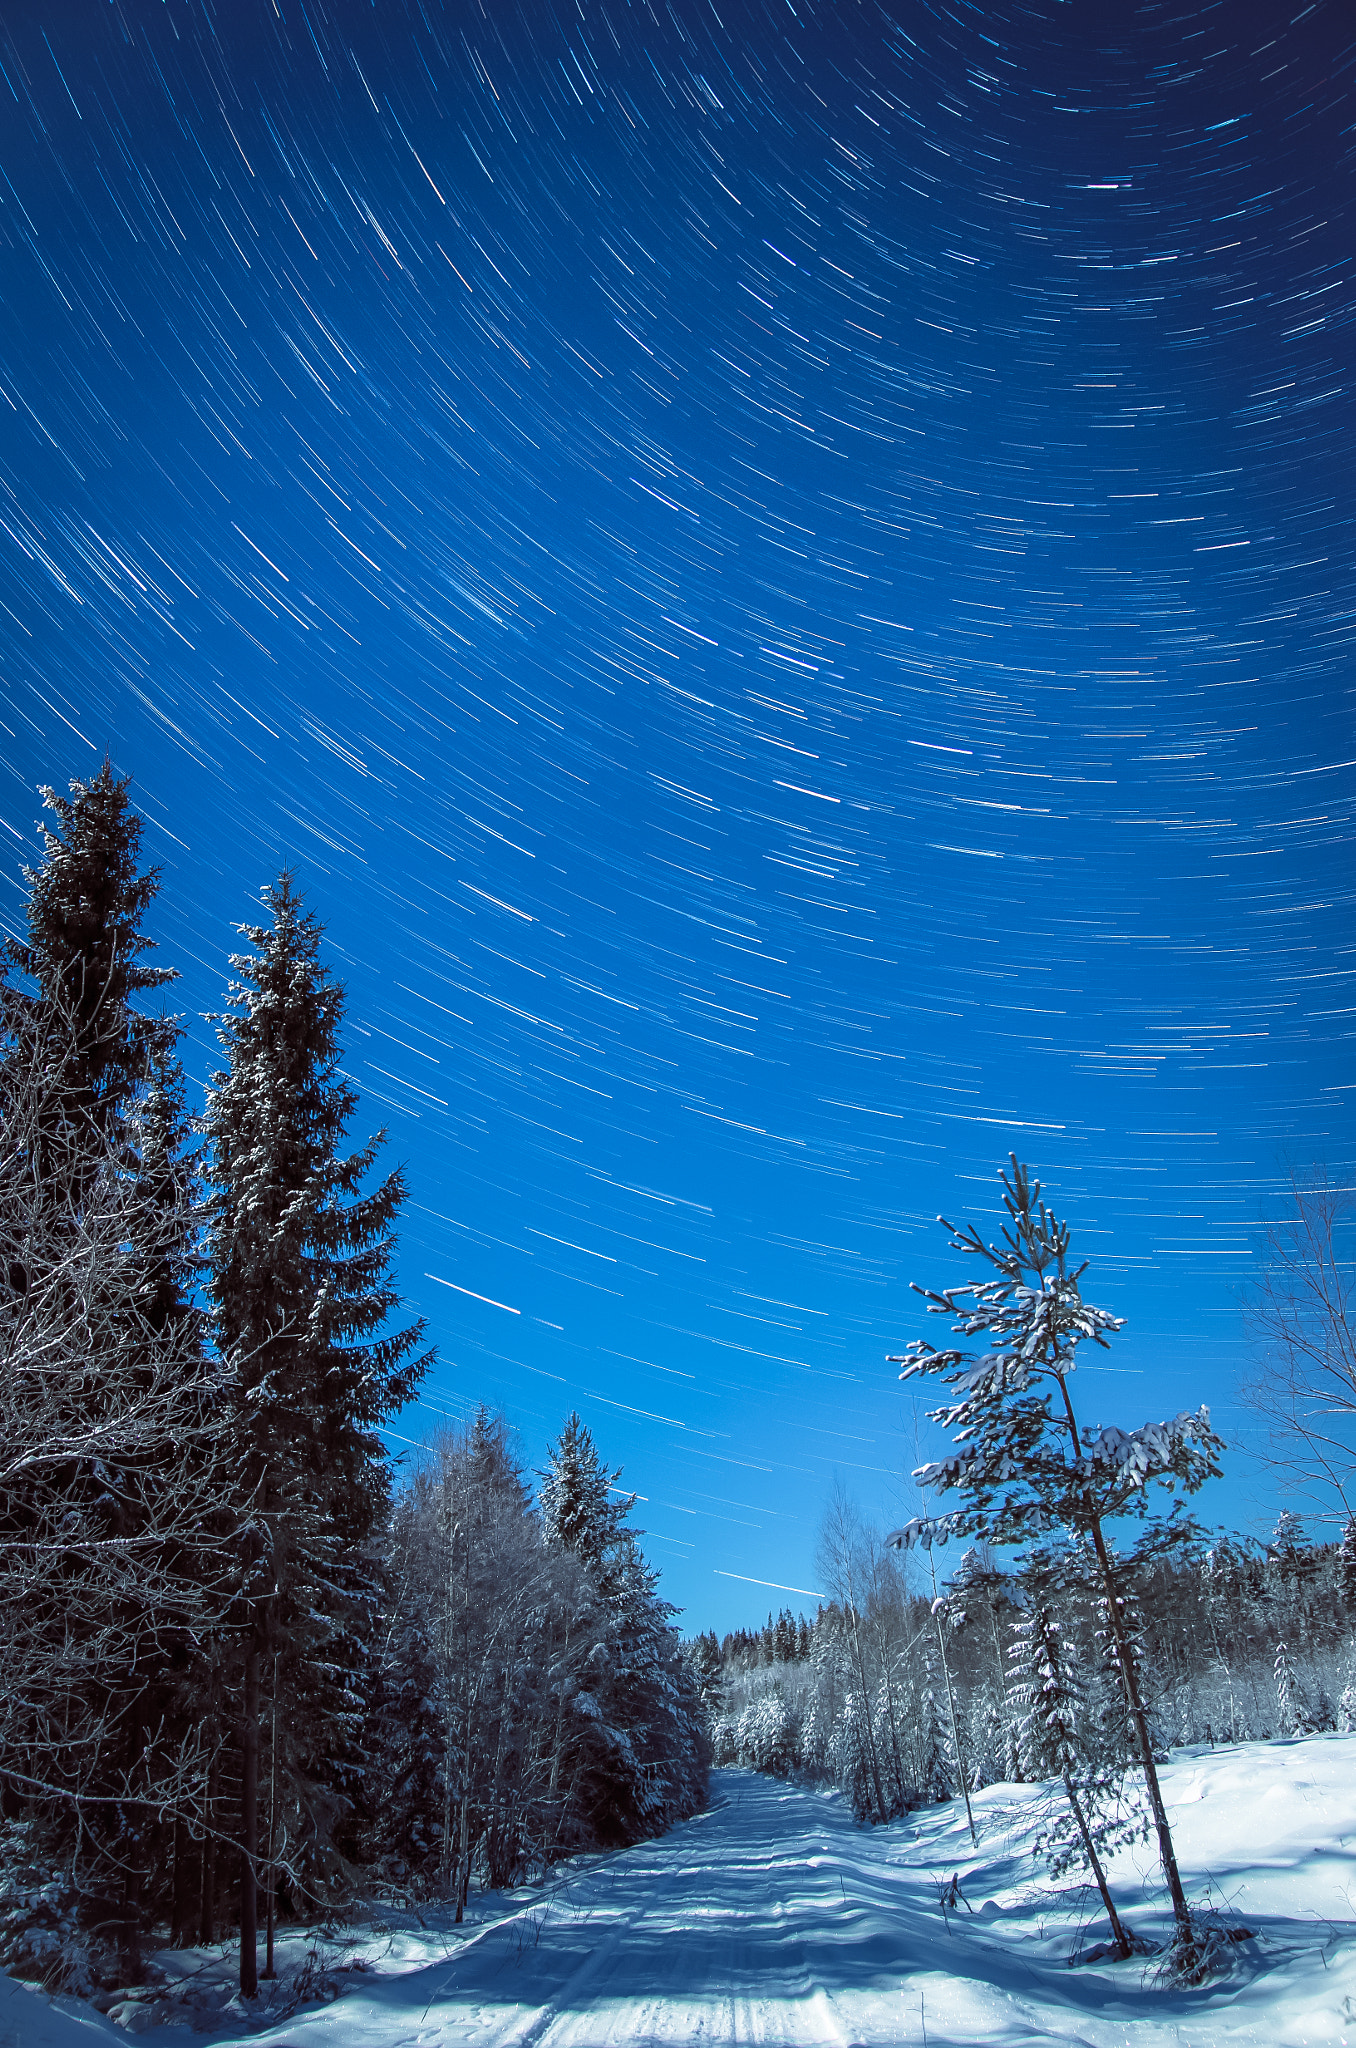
point(1023, 1467)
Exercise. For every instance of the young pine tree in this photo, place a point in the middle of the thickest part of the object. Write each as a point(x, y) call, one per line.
point(1048, 1706)
point(1024, 1466)
point(301, 1291)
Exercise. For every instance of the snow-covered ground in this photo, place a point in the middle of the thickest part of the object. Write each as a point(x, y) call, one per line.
point(772, 1918)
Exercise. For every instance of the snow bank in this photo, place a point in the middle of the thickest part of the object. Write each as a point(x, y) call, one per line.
point(29, 2019)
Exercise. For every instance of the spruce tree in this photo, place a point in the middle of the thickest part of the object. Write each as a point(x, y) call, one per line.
point(163, 1321)
point(82, 955)
point(935, 1780)
point(300, 1291)
point(642, 1750)
point(576, 1505)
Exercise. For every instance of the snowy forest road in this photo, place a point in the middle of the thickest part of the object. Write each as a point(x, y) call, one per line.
point(773, 1919)
point(770, 1918)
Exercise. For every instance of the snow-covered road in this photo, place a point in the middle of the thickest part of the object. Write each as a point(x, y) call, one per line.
point(773, 1919)
point(770, 1918)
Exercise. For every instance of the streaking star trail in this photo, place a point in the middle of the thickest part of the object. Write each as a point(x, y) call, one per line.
point(783, 576)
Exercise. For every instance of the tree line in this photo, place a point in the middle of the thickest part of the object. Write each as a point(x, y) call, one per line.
point(239, 1666)
point(1239, 1641)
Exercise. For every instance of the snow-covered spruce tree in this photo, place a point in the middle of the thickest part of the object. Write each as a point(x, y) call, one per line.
point(156, 1849)
point(703, 1654)
point(1049, 1707)
point(576, 1505)
point(80, 965)
point(935, 1764)
point(1024, 1467)
point(301, 1291)
point(641, 1753)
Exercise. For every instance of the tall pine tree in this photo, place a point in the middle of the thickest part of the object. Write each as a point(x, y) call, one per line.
point(301, 1291)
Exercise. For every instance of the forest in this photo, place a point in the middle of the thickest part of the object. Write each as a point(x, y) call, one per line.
point(249, 1667)
point(246, 1666)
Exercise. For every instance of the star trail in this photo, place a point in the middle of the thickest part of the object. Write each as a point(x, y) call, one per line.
point(783, 575)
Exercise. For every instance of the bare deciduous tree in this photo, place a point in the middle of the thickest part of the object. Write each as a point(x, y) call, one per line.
point(113, 1545)
point(1302, 1319)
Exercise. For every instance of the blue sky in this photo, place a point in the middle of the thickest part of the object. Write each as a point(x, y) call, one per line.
point(783, 577)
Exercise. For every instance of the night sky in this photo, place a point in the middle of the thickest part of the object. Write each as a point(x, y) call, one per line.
point(783, 575)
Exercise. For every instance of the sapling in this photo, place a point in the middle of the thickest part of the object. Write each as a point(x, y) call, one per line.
point(1050, 1708)
point(1023, 1466)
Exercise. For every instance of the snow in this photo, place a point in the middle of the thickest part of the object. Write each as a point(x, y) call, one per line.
point(773, 1918)
point(28, 2020)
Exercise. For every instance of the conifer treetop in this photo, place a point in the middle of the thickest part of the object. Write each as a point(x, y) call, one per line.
point(1022, 1466)
point(86, 902)
point(301, 1249)
point(576, 1498)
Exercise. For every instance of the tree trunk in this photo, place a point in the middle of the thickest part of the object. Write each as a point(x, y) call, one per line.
point(1119, 1934)
point(270, 1871)
point(447, 1810)
point(249, 1830)
point(1125, 1656)
point(955, 1730)
point(464, 1857)
point(181, 1903)
point(872, 1758)
point(207, 1923)
point(1167, 1855)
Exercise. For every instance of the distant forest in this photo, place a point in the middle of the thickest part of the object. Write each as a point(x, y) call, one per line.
point(244, 1673)
point(899, 1697)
